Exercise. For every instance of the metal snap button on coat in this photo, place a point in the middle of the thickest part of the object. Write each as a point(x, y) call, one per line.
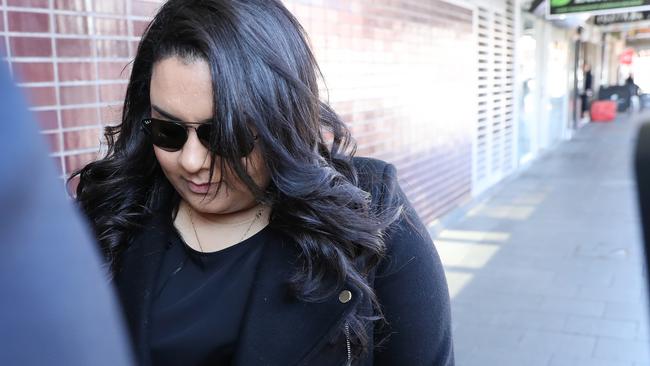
point(345, 296)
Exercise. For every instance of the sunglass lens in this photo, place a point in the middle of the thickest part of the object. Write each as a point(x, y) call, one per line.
point(168, 135)
point(204, 132)
point(247, 148)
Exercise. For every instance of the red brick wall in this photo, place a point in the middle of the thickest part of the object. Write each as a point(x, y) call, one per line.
point(388, 65)
point(68, 56)
point(400, 73)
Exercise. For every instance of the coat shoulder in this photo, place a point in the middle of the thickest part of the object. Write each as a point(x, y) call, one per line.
point(371, 169)
point(378, 178)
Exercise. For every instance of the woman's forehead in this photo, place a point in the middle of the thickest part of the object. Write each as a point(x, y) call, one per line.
point(182, 88)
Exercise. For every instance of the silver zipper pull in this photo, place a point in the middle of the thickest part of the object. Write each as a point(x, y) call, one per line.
point(347, 343)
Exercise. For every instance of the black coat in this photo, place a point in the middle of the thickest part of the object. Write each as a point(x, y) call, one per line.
point(279, 330)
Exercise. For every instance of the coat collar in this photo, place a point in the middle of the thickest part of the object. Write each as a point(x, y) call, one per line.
point(277, 329)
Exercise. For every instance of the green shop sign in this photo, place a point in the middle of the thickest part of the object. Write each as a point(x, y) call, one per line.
point(559, 7)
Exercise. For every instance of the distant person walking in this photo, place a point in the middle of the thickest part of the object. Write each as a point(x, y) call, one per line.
point(629, 82)
point(586, 90)
point(634, 91)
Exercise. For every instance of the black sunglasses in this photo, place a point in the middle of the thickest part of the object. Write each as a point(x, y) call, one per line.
point(171, 135)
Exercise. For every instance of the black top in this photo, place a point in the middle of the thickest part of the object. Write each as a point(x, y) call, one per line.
point(199, 301)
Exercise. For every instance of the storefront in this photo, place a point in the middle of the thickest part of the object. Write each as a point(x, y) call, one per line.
point(545, 82)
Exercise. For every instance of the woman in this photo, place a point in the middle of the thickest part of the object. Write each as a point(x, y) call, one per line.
point(238, 228)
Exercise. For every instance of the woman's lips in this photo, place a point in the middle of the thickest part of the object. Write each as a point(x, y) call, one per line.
point(199, 188)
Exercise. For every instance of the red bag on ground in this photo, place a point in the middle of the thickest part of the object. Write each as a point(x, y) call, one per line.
point(603, 111)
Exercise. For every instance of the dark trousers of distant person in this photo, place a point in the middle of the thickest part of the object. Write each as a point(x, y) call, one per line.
point(584, 102)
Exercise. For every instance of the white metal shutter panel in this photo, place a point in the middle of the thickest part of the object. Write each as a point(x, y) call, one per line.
point(494, 155)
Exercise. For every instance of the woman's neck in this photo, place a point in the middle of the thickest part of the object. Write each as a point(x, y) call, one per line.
point(232, 219)
point(210, 233)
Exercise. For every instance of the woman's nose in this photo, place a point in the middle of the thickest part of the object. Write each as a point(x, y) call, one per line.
point(194, 156)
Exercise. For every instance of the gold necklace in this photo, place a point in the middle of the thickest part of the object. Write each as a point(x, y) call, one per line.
point(257, 216)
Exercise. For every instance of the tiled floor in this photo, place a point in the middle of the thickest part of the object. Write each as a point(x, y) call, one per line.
point(548, 271)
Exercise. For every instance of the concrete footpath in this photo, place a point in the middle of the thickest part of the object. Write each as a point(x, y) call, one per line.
point(549, 270)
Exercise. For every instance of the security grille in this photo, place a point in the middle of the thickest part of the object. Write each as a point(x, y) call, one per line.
point(494, 155)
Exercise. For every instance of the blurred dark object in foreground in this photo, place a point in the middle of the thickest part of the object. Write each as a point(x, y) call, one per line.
point(56, 306)
point(642, 166)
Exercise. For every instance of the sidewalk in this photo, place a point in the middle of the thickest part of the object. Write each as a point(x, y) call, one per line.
point(548, 271)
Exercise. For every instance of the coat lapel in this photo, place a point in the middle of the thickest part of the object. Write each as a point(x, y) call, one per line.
point(277, 329)
point(135, 284)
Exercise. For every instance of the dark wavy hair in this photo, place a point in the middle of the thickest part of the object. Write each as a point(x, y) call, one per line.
point(264, 76)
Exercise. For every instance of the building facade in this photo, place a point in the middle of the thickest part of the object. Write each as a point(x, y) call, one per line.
point(434, 87)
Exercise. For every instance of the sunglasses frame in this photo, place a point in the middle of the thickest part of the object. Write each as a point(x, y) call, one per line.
point(146, 124)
